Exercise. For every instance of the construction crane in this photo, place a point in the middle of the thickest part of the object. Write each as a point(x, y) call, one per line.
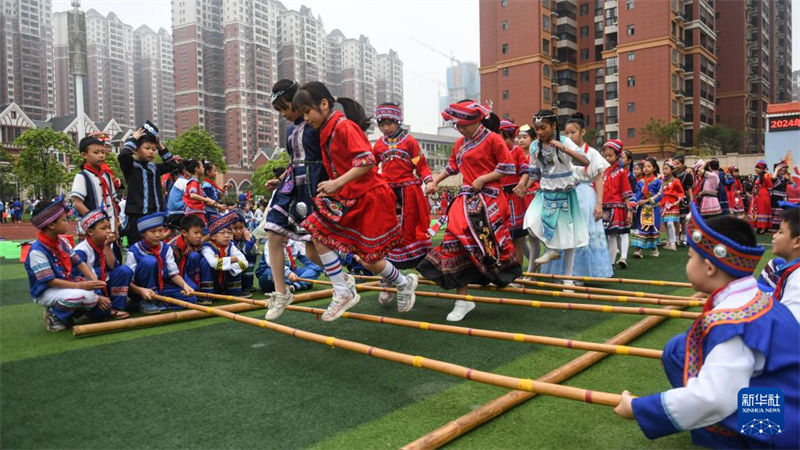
point(452, 58)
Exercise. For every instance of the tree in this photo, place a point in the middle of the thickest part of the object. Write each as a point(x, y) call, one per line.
point(196, 143)
point(719, 139)
point(7, 177)
point(660, 133)
point(265, 173)
point(38, 166)
point(592, 137)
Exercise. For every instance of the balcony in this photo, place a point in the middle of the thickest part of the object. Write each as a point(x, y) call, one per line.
point(679, 93)
point(679, 68)
point(679, 18)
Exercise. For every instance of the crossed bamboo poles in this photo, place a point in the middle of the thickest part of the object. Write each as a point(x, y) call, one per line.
point(522, 384)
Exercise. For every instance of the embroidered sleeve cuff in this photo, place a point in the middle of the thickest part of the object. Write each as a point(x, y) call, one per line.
point(505, 169)
point(523, 169)
point(450, 171)
point(428, 179)
point(166, 156)
point(653, 417)
point(242, 264)
point(364, 159)
point(130, 145)
point(534, 173)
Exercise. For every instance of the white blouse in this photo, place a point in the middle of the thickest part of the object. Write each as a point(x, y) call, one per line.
point(554, 169)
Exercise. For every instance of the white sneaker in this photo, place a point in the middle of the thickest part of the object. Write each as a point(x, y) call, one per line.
point(549, 255)
point(516, 286)
point(385, 298)
point(339, 306)
point(406, 296)
point(569, 283)
point(278, 304)
point(460, 310)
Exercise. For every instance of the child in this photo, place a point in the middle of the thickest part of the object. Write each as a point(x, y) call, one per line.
point(212, 191)
point(593, 259)
point(142, 176)
point(154, 268)
point(670, 203)
point(616, 194)
point(687, 180)
point(739, 341)
point(786, 245)
point(734, 191)
point(648, 210)
point(98, 253)
point(222, 265)
point(760, 212)
point(16, 211)
point(516, 203)
point(186, 250)
point(405, 169)
point(249, 218)
point(706, 189)
point(725, 180)
point(477, 246)
point(778, 194)
point(555, 216)
point(246, 244)
point(524, 140)
point(93, 187)
point(295, 251)
point(259, 213)
point(194, 198)
point(50, 265)
point(293, 191)
point(351, 214)
point(175, 204)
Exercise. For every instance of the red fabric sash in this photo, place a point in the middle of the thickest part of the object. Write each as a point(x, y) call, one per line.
point(100, 254)
point(104, 185)
point(157, 254)
point(222, 254)
point(291, 258)
point(62, 257)
point(208, 180)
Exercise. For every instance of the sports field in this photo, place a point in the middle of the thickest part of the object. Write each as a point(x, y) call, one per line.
point(214, 383)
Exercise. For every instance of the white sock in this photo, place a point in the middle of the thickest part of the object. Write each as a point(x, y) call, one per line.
point(671, 232)
point(569, 261)
point(624, 243)
point(392, 275)
point(335, 271)
point(612, 247)
point(533, 252)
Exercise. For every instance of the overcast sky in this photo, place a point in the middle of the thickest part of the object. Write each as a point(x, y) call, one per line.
point(448, 25)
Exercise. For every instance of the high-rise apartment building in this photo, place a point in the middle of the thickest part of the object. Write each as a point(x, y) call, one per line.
point(389, 78)
point(622, 62)
point(796, 86)
point(463, 82)
point(358, 71)
point(302, 45)
point(154, 82)
point(26, 56)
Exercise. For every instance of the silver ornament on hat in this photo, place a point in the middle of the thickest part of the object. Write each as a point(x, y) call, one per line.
point(302, 209)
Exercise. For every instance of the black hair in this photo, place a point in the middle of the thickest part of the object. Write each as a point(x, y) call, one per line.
point(312, 94)
point(734, 229)
point(792, 218)
point(629, 155)
point(192, 166)
point(578, 119)
point(41, 206)
point(549, 117)
point(208, 167)
point(278, 171)
point(181, 166)
point(146, 138)
point(680, 158)
point(89, 141)
point(192, 221)
point(285, 90)
point(263, 204)
point(654, 163)
point(713, 165)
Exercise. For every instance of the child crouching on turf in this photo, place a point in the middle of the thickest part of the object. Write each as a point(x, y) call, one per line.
point(186, 249)
point(154, 268)
point(49, 265)
point(246, 243)
point(222, 264)
point(739, 341)
point(292, 272)
point(97, 251)
point(786, 245)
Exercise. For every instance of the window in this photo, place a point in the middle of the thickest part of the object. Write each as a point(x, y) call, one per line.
point(631, 107)
point(584, 99)
point(611, 91)
point(546, 46)
point(612, 134)
point(674, 108)
point(584, 54)
point(546, 94)
point(631, 132)
point(585, 31)
point(505, 95)
point(599, 119)
point(631, 56)
point(631, 81)
point(546, 22)
point(629, 4)
point(505, 71)
point(504, 25)
point(505, 48)
point(546, 70)
point(584, 9)
point(585, 77)
point(631, 30)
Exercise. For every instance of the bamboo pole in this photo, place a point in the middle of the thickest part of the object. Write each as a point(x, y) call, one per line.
point(609, 280)
point(476, 332)
point(540, 304)
point(177, 316)
point(555, 390)
point(506, 402)
point(588, 289)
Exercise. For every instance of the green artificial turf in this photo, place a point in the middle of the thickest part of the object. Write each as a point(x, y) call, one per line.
point(214, 383)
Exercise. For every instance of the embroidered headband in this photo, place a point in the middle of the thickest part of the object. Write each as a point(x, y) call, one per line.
point(224, 221)
point(614, 144)
point(92, 217)
point(733, 168)
point(670, 163)
point(735, 259)
point(509, 126)
point(700, 163)
point(150, 222)
point(538, 119)
point(275, 95)
point(465, 113)
point(50, 214)
point(761, 164)
point(389, 112)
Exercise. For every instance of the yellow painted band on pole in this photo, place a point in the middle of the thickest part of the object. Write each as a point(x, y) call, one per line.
point(622, 299)
point(526, 385)
point(417, 361)
point(658, 283)
point(607, 309)
point(424, 325)
point(556, 294)
point(674, 313)
point(536, 304)
point(640, 294)
point(519, 337)
point(468, 298)
point(330, 340)
point(623, 350)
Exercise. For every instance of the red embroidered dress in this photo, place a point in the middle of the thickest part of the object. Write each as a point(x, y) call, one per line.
point(616, 191)
point(477, 246)
point(670, 202)
point(356, 219)
point(516, 205)
point(760, 214)
point(400, 157)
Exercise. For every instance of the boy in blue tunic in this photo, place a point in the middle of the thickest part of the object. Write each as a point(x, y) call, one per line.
point(154, 268)
point(292, 272)
point(786, 245)
point(739, 341)
point(186, 250)
point(246, 243)
point(222, 264)
point(50, 263)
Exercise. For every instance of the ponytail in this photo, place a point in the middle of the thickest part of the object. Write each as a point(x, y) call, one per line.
point(492, 122)
point(355, 112)
point(312, 94)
